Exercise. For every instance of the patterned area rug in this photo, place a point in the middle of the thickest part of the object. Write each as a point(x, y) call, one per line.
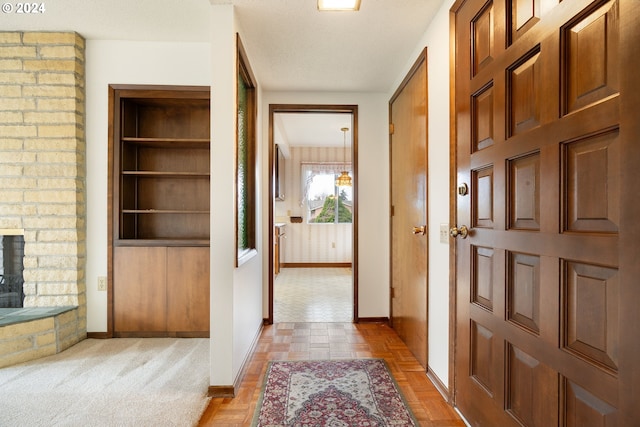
point(332, 393)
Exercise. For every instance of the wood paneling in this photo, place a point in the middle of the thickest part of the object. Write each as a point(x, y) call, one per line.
point(483, 357)
point(482, 118)
point(591, 313)
point(590, 48)
point(581, 408)
point(482, 277)
point(523, 290)
point(482, 38)
point(523, 99)
point(531, 390)
point(591, 183)
point(524, 192)
point(482, 190)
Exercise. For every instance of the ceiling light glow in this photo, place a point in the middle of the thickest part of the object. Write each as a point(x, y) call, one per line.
point(324, 5)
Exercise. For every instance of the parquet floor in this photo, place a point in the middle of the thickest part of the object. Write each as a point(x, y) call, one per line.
point(302, 341)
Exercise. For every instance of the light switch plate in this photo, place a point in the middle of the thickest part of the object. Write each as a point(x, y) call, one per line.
point(444, 233)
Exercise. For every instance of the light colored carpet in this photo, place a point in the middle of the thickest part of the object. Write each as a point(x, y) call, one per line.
point(115, 382)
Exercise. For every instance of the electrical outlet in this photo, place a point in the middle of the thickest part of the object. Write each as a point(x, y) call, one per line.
point(444, 233)
point(333, 245)
point(102, 283)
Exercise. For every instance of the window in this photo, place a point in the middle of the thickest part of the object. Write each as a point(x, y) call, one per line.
point(326, 203)
point(246, 159)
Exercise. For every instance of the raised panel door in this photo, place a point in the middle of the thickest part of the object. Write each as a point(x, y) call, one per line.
point(546, 282)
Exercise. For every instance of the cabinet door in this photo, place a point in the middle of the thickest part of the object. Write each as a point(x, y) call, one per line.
point(188, 290)
point(139, 290)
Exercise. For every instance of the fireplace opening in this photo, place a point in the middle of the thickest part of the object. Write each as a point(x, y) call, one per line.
point(11, 268)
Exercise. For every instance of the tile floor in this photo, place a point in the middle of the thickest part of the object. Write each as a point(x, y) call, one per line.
point(313, 295)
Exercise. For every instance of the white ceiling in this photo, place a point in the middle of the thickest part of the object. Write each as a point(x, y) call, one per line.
point(291, 46)
point(313, 129)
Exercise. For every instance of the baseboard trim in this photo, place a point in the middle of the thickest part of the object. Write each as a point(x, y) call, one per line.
point(315, 264)
point(99, 335)
point(221, 391)
point(373, 320)
point(439, 385)
point(231, 390)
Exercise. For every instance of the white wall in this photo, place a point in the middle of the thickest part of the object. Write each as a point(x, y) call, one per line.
point(373, 191)
point(236, 293)
point(123, 62)
point(436, 39)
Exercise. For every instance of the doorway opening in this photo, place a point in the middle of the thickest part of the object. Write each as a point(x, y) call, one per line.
point(313, 221)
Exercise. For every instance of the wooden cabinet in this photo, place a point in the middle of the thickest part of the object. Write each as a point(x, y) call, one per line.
point(161, 291)
point(159, 229)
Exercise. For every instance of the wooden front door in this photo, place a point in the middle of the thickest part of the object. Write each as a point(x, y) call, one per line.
point(547, 280)
point(408, 111)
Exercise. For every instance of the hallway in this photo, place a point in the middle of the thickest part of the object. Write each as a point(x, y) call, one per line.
point(306, 341)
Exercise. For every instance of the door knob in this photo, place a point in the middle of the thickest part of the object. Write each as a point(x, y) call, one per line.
point(463, 231)
point(420, 230)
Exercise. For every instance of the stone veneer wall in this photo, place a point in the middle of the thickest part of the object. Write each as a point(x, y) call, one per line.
point(42, 164)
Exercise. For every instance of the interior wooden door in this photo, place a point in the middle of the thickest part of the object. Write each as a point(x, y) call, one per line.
point(547, 279)
point(408, 148)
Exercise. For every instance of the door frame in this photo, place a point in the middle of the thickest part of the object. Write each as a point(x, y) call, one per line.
point(313, 108)
point(453, 201)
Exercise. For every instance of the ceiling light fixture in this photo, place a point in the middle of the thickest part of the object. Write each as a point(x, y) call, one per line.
point(344, 180)
point(343, 5)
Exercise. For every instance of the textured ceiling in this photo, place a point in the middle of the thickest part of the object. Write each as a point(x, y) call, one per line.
point(291, 46)
point(313, 129)
point(141, 20)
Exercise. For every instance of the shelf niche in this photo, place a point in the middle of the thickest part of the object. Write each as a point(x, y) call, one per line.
point(163, 145)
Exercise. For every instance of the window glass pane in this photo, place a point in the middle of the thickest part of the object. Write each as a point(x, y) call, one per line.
point(243, 144)
point(327, 203)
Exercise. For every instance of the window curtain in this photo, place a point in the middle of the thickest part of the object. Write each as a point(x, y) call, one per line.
point(309, 170)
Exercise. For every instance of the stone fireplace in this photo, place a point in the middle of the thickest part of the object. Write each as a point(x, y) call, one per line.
point(42, 187)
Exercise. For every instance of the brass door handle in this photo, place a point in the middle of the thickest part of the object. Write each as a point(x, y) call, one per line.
point(463, 232)
point(420, 230)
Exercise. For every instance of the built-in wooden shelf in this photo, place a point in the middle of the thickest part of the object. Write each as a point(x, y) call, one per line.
point(161, 213)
